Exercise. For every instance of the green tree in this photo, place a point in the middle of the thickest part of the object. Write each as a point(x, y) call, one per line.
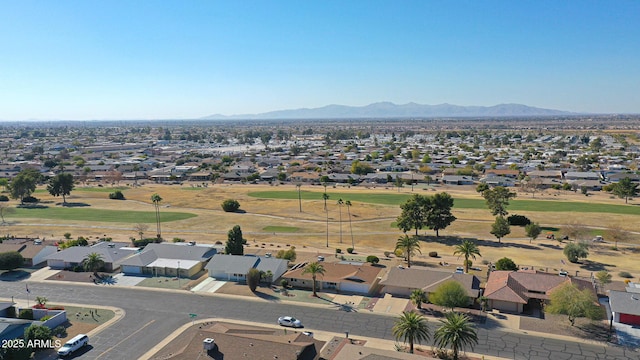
point(533, 230)
point(450, 294)
point(61, 185)
point(4, 182)
point(506, 264)
point(482, 187)
point(574, 251)
point(409, 246)
point(414, 213)
point(235, 242)
point(253, 278)
point(11, 260)
point(456, 332)
point(625, 189)
point(468, 249)
point(500, 228)
point(439, 212)
point(360, 168)
point(315, 269)
point(569, 300)
point(418, 296)
point(411, 327)
point(37, 332)
point(604, 277)
point(498, 199)
point(93, 262)
point(287, 254)
point(230, 205)
point(156, 199)
point(24, 184)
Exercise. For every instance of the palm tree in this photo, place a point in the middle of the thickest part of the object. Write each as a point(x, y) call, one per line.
point(348, 204)
point(314, 269)
point(325, 197)
point(418, 296)
point(468, 249)
point(299, 196)
point(93, 262)
point(340, 203)
point(411, 327)
point(409, 246)
point(156, 199)
point(457, 332)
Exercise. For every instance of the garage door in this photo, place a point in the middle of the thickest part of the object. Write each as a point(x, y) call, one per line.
point(630, 319)
point(56, 264)
point(128, 269)
point(354, 287)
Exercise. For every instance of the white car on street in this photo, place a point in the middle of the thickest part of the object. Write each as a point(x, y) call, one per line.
point(289, 321)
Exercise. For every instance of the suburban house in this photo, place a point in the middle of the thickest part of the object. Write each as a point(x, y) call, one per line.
point(457, 180)
point(111, 253)
point(167, 259)
point(625, 305)
point(522, 291)
point(353, 277)
point(402, 281)
point(235, 267)
point(33, 252)
point(236, 341)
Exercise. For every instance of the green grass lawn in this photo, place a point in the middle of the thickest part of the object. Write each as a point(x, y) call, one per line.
point(88, 214)
point(285, 229)
point(514, 205)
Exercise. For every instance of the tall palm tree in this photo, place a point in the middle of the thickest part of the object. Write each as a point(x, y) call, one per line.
point(314, 269)
point(340, 203)
point(299, 196)
point(156, 199)
point(411, 327)
point(409, 246)
point(468, 249)
point(456, 332)
point(418, 296)
point(348, 204)
point(93, 262)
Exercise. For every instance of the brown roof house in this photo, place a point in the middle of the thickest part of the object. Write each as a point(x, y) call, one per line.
point(523, 291)
point(33, 252)
point(353, 277)
point(234, 341)
point(402, 281)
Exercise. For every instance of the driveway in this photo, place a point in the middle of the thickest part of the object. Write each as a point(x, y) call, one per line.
point(628, 335)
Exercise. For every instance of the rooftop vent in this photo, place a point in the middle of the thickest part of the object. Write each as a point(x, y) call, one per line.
point(209, 344)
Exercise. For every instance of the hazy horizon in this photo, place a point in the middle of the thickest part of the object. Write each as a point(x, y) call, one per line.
point(173, 60)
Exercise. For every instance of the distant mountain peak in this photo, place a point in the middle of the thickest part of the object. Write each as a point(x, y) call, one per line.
point(386, 109)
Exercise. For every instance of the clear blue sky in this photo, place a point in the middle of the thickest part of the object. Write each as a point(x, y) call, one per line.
point(186, 59)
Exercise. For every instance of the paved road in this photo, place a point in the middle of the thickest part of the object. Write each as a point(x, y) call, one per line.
point(151, 316)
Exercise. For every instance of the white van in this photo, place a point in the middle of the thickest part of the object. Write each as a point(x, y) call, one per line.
point(74, 344)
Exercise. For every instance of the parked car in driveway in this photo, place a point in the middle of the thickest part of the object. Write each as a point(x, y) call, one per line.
point(289, 321)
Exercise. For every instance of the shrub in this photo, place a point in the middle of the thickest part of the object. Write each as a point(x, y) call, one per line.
point(60, 331)
point(30, 199)
point(485, 262)
point(433, 254)
point(230, 205)
point(284, 283)
point(338, 251)
point(4, 198)
point(178, 240)
point(350, 250)
point(67, 235)
point(45, 318)
point(468, 263)
point(11, 312)
point(373, 259)
point(625, 274)
point(506, 264)
point(518, 220)
point(26, 314)
point(387, 253)
point(287, 254)
point(116, 195)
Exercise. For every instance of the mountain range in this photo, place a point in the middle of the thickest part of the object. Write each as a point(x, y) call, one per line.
point(391, 110)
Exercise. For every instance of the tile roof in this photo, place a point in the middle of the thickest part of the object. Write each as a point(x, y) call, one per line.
point(520, 286)
point(429, 280)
